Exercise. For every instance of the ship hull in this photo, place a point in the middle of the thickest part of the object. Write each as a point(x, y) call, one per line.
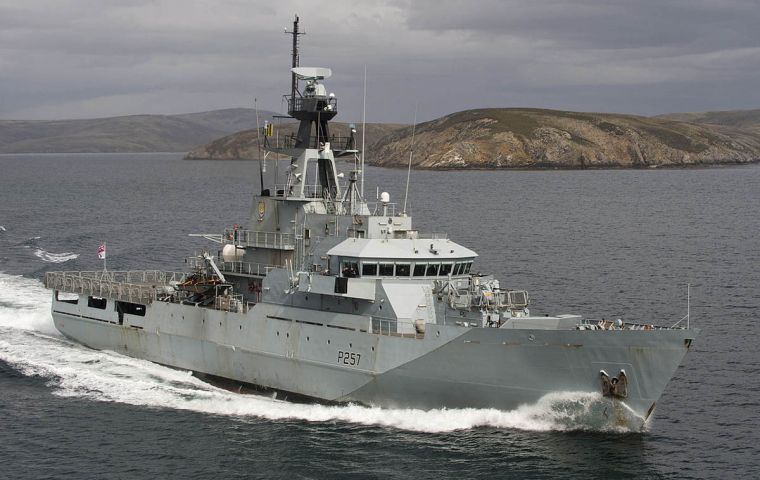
point(290, 349)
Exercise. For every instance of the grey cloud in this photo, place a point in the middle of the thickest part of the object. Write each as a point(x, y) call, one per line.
point(88, 58)
point(600, 24)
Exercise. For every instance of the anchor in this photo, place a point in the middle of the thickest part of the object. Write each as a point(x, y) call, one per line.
point(615, 387)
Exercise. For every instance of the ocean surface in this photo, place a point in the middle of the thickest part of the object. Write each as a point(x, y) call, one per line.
point(610, 243)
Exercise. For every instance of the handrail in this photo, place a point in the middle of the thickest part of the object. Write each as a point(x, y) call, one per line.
point(248, 268)
point(389, 327)
point(252, 238)
point(311, 104)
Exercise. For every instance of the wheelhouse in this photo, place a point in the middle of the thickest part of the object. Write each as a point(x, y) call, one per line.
point(401, 258)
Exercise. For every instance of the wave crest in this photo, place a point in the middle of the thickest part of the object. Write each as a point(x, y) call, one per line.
point(46, 256)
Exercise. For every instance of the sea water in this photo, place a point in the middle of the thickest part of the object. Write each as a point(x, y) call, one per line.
point(613, 244)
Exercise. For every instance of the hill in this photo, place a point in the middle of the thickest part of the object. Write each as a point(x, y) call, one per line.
point(535, 138)
point(731, 118)
point(134, 133)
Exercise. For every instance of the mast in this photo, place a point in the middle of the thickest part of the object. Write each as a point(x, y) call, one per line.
point(312, 148)
point(293, 78)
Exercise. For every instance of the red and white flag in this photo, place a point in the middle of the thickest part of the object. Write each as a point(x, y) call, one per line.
point(102, 252)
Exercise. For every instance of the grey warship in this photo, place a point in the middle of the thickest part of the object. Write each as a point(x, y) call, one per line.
point(327, 296)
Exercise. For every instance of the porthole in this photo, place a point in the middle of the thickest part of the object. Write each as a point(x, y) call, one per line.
point(278, 334)
point(287, 335)
point(328, 342)
point(241, 327)
point(307, 339)
point(350, 345)
point(373, 349)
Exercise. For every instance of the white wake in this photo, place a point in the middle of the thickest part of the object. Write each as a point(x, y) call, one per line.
point(30, 343)
point(55, 257)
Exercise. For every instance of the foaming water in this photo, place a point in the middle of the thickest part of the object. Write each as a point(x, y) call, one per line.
point(25, 305)
point(55, 257)
point(30, 343)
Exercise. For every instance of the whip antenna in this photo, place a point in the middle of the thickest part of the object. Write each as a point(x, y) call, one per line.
point(364, 127)
point(411, 152)
point(258, 144)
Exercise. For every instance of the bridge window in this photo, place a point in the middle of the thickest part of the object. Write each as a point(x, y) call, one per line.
point(419, 269)
point(386, 269)
point(432, 269)
point(350, 269)
point(467, 266)
point(403, 269)
point(445, 269)
point(369, 269)
point(458, 268)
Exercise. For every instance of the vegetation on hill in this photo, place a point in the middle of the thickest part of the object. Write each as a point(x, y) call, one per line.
point(730, 118)
point(535, 138)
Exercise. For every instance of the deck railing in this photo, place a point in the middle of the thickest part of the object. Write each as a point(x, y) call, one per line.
point(247, 268)
point(250, 238)
point(129, 286)
point(390, 327)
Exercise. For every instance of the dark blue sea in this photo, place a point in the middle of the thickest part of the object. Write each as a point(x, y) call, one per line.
point(607, 243)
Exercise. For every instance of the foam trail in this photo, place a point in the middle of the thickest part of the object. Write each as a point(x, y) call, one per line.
point(26, 343)
point(55, 257)
point(25, 305)
point(2, 228)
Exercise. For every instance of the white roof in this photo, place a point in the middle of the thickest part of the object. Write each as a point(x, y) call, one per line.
point(401, 249)
point(405, 297)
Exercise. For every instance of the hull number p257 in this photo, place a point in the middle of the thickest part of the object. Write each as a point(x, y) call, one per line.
point(349, 358)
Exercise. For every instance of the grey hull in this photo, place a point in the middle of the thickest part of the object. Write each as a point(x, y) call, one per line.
point(452, 366)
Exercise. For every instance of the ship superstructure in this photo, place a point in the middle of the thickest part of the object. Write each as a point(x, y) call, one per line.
point(325, 295)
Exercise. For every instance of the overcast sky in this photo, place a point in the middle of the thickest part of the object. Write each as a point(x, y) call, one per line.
point(92, 58)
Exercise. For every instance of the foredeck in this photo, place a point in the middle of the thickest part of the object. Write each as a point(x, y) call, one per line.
point(129, 286)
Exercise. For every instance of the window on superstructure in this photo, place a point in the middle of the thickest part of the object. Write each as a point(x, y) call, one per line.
point(458, 268)
point(403, 269)
point(419, 269)
point(66, 297)
point(386, 269)
point(131, 308)
point(445, 269)
point(432, 269)
point(369, 269)
point(467, 266)
point(97, 302)
point(350, 269)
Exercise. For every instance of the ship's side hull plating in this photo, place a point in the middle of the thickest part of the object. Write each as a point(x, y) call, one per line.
point(300, 351)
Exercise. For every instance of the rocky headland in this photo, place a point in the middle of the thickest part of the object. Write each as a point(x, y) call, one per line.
point(533, 138)
point(536, 138)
